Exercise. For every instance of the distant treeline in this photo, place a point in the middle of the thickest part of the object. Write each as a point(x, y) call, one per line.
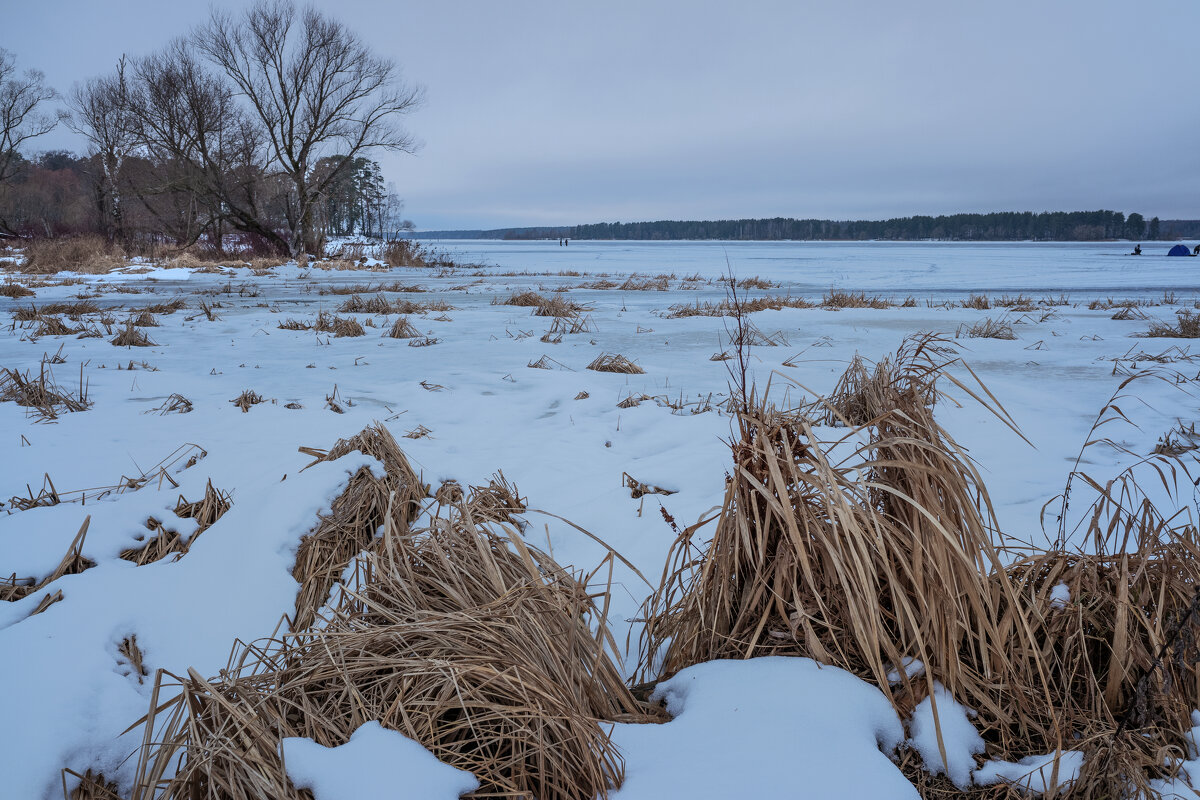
point(1068, 226)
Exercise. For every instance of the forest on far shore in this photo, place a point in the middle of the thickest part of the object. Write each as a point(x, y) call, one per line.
point(1056, 226)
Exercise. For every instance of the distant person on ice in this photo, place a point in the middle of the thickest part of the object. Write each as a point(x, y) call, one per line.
point(1137, 250)
point(1196, 250)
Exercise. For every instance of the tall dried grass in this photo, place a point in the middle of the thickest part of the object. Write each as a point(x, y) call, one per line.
point(338, 326)
point(42, 396)
point(130, 336)
point(375, 305)
point(402, 328)
point(14, 290)
point(888, 554)
point(836, 298)
point(88, 254)
point(355, 516)
point(1187, 326)
point(986, 329)
point(725, 308)
point(72, 563)
point(459, 635)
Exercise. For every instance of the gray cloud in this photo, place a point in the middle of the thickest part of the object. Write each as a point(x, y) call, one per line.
point(557, 113)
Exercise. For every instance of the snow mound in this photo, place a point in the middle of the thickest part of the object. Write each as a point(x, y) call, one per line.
point(1033, 774)
point(961, 739)
point(376, 762)
point(747, 728)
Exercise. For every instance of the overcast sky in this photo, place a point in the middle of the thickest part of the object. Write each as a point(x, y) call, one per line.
point(557, 113)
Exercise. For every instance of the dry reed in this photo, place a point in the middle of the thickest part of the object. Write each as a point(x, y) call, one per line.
point(338, 326)
point(402, 328)
point(355, 515)
point(460, 636)
point(615, 362)
point(835, 298)
point(41, 395)
point(15, 290)
point(986, 329)
point(130, 336)
point(1187, 326)
point(246, 399)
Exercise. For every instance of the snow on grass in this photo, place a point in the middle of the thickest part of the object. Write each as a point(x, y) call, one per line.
point(760, 728)
point(946, 728)
point(375, 762)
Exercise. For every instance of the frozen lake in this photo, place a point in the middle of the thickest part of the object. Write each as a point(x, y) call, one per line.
point(1084, 268)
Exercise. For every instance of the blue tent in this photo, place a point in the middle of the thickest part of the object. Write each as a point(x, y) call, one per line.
point(1180, 250)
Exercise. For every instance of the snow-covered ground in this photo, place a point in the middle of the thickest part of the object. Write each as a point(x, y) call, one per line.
point(66, 693)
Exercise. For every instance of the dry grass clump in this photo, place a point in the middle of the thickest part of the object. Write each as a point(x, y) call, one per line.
point(499, 501)
point(54, 326)
point(890, 554)
point(403, 306)
point(615, 362)
point(402, 328)
point(1178, 440)
point(979, 302)
point(145, 320)
point(1187, 326)
point(423, 341)
point(246, 399)
point(15, 290)
point(73, 563)
point(355, 516)
point(725, 308)
point(572, 325)
point(986, 329)
point(205, 511)
point(166, 308)
point(1126, 313)
point(747, 334)
point(755, 282)
point(836, 298)
point(41, 395)
point(338, 326)
point(162, 543)
point(73, 311)
point(130, 336)
point(459, 636)
point(293, 324)
point(524, 299)
point(405, 253)
point(375, 305)
point(370, 288)
point(558, 307)
point(89, 254)
point(642, 283)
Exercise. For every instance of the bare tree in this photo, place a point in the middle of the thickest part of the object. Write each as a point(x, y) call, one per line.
point(208, 155)
point(100, 112)
point(318, 91)
point(23, 114)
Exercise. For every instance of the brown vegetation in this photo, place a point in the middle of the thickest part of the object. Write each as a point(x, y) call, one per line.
point(615, 362)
